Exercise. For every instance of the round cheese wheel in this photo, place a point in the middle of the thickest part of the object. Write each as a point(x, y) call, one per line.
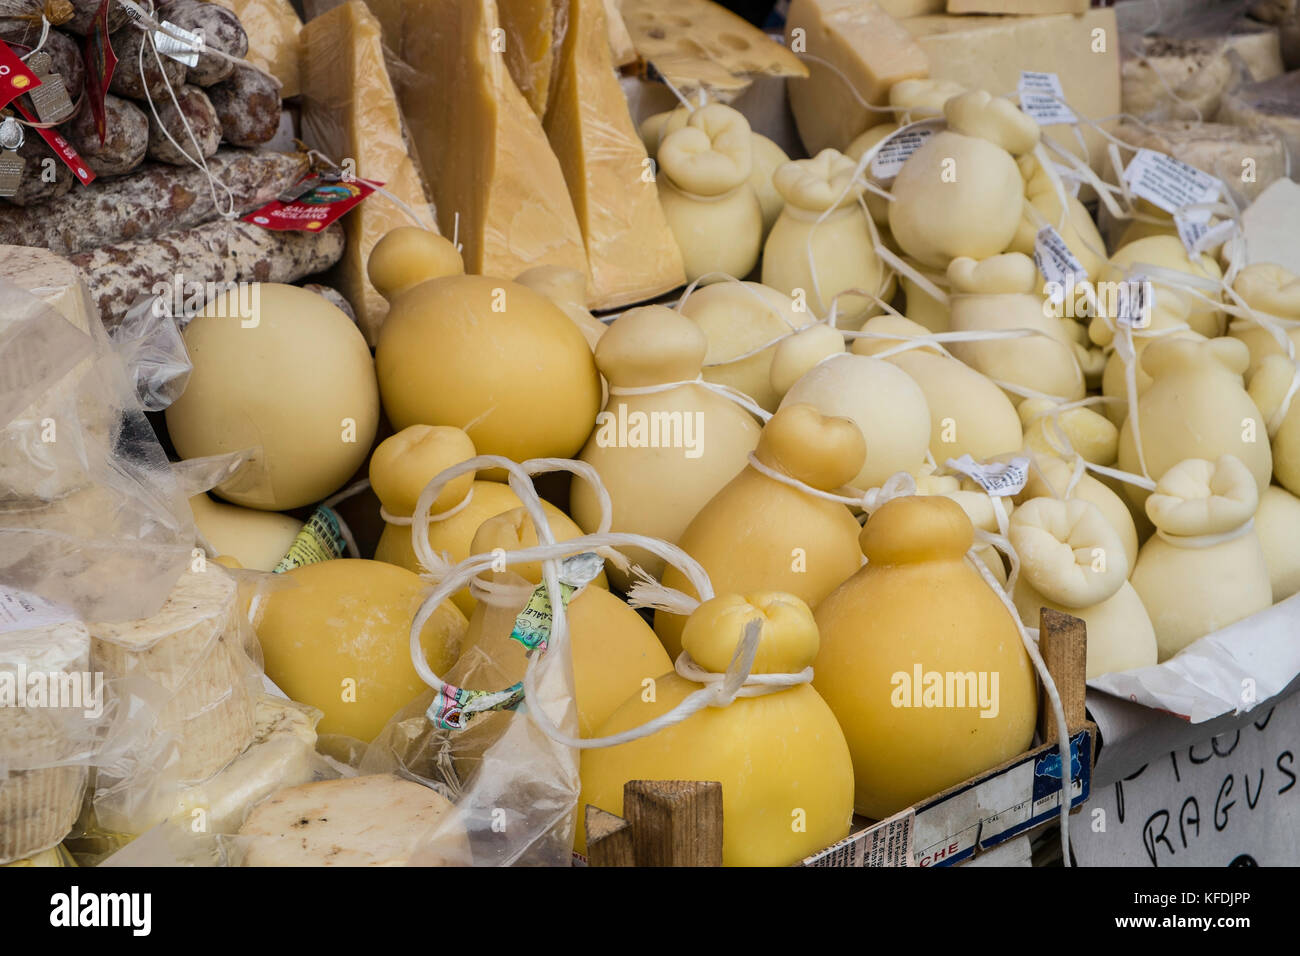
point(291, 375)
point(336, 636)
point(737, 318)
point(567, 288)
point(492, 357)
point(883, 401)
point(916, 610)
point(255, 539)
point(780, 757)
point(758, 532)
point(956, 196)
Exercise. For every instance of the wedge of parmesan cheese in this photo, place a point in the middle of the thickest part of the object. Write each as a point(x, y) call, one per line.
point(378, 820)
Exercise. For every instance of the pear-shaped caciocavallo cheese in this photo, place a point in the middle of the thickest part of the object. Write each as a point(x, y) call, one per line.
point(780, 757)
point(758, 532)
point(1168, 253)
point(1205, 568)
point(661, 454)
point(492, 357)
point(917, 653)
point(1275, 292)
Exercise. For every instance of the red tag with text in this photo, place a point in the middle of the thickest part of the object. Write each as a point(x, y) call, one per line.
point(15, 78)
point(62, 148)
point(100, 62)
point(315, 208)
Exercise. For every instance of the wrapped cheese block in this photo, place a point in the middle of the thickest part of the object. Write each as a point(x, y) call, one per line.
point(280, 368)
point(193, 650)
point(336, 635)
point(916, 625)
point(1277, 522)
point(1271, 106)
point(1072, 560)
point(780, 757)
point(1205, 568)
point(704, 188)
point(256, 539)
point(1274, 291)
point(663, 445)
point(761, 532)
point(451, 352)
point(1168, 252)
point(41, 780)
point(273, 28)
point(371, 820)
point(1000, 294)
point(822, 242)
point(1185, 77)
point(1088, 433)
point(1050, 477)
point(737, 318)
point(1271, 390)
point(885, 403)
point(399, 470)
point(969, 415)
point(1196, 407)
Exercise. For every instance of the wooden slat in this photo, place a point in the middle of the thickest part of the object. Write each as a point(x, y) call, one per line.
point(1063, 642)
point(675, 822)
point(609, 839)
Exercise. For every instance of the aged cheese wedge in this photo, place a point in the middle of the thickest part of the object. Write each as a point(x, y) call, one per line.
point(631, 252)
point(350, 111)
point(377, 820)
point(866, 46)
point(273, 31)
point(530, 41)
point(497, 186)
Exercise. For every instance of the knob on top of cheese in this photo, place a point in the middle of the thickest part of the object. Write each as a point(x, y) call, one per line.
point(1090, 434)
point(409, 255)
point(492, 357)
point(649, 346)
point(1013, 272)
point(920, 98)
point(1273, 290)
point(824, 182)
point(787, 642)
point(712, 154)
point(800, 352)
point(1058, 542)
point(1203, 497)
point(998, 120)
point(286, 371)
point(404, 463)
point(822, 451)
point(514, 530)
point(931, 528)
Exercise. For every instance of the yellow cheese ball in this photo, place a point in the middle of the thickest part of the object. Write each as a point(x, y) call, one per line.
point(337, 636)
point(291, 375)
point(919, 607)
point(492, 357)
point(256, 539)
point(785, 770)
point(409, 255)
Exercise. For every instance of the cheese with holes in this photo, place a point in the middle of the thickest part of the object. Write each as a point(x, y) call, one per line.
point(631, 252)
point(350, 111)
point(697, 44)
point(989, 52)
point(273, 31)
point(866, 46)
point(192, 650)
point(531, 31)
point(378, 820)
point(497, 185)
point(1247, 160)
point(41, 785)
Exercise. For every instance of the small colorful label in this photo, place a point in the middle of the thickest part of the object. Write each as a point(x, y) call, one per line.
point(15, 78)
point(1043, 100)
point(100, 61)
point(452, 707)
point(321, 539)
point(329, 198)
point(62, 148)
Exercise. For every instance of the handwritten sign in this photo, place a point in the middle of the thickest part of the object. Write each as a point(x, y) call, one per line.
point(1230, 801)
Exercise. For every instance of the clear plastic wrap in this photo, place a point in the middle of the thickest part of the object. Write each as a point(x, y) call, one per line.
point(153, 351)
point(91, 516)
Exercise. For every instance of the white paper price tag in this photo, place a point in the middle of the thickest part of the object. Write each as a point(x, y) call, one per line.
point(1198, 237)
point(1042, 99)
point(1057, 263)
point(1134, 302)
point(999, 479)
point(21, 611)
point(900, 145)
point(1172, 185)
point(185, 50)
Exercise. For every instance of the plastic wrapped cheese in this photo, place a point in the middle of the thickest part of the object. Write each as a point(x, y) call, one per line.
point(822, 241)
point(1000, 294)
point(969, 415)
point(760, 532)
point(336, 636)
point(1205, 568)
point(780, 757)
point(284, 371)
point(1072, 560)
point(663, 445)
point(919, 607)
point(888, 407)
point(704, 188)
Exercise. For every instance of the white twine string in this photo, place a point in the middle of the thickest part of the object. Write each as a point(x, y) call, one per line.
point(734, 395)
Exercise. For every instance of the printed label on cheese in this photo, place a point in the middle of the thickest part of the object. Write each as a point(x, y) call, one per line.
point(998, 479)
point(1197, 237)
point(887, 843)
point(1134, 301)
point(22, 611)
point(321, 539)
point(183, 46)
point(1172, 185)
point(316, 208)
point(896, 148)
point(533, 624)
point(1057, 263)
point(1042, 98)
